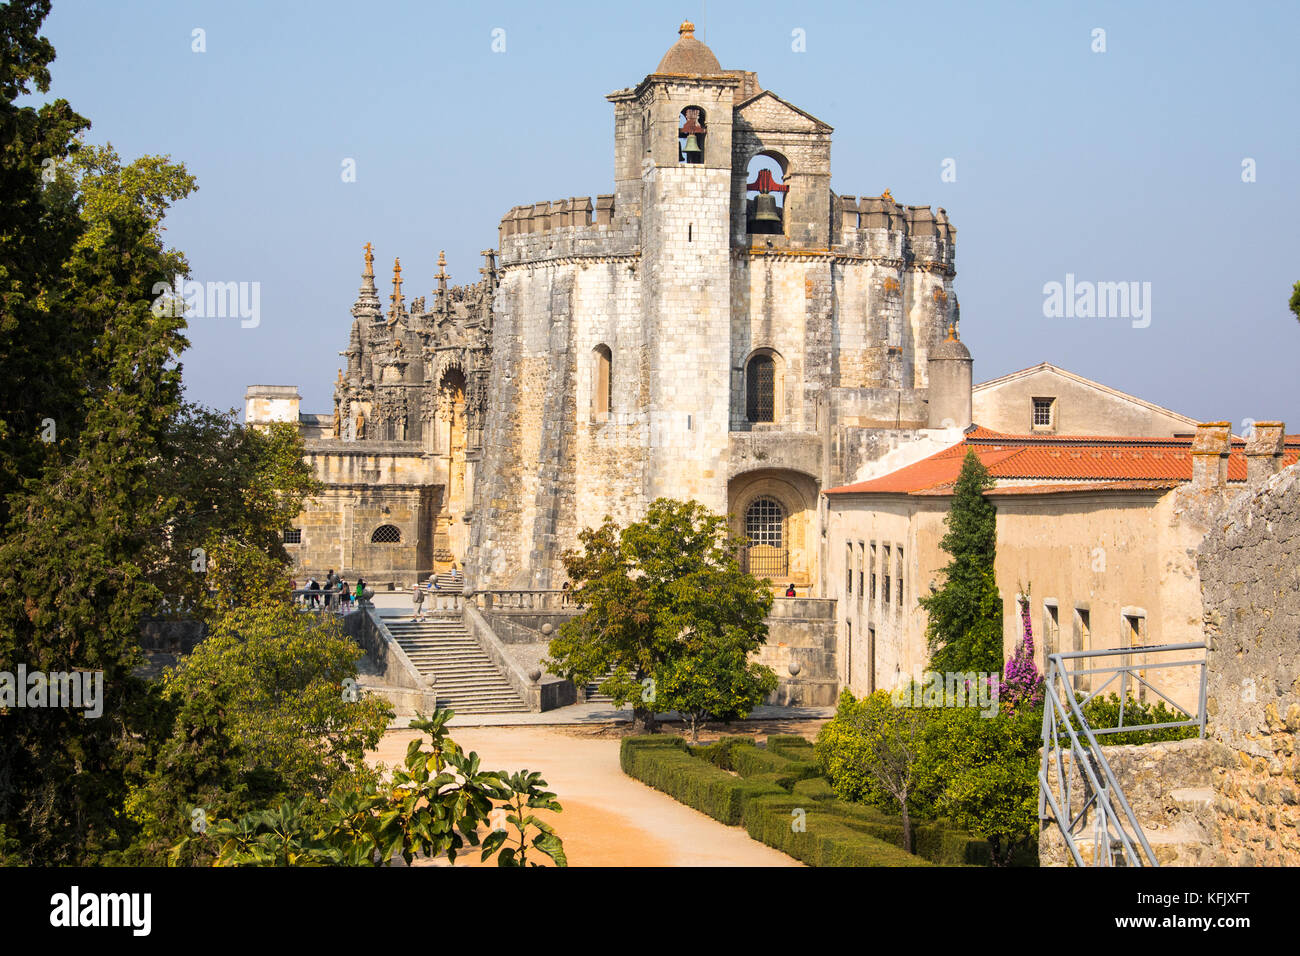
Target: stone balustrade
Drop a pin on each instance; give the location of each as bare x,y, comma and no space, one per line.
549,599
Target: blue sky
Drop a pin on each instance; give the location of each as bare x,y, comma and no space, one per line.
1117,166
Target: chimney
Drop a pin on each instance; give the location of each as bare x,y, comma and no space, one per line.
1264,452
1210,449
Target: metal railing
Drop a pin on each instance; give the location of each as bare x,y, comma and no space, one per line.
1116,833
763,561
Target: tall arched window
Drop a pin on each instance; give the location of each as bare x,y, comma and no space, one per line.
760,389
766,553
602,360
386,534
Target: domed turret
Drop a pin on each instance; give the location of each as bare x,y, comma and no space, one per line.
949,369
689,56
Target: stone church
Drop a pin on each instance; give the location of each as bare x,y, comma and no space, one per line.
722,326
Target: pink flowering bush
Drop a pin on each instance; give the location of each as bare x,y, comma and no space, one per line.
1022,684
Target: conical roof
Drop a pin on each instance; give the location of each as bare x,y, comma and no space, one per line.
688,55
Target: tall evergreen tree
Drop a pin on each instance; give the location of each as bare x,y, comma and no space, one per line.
965,615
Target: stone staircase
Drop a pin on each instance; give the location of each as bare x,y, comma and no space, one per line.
594,696
450,582
464,677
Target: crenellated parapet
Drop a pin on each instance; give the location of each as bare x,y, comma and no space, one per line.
877,226
563,228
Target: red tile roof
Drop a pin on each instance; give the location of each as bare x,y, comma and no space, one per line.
1067,462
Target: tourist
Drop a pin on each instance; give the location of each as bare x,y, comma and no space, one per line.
361,587
789,592
417,598
343,595
313,600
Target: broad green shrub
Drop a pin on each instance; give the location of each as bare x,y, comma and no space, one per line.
1104,712
981,772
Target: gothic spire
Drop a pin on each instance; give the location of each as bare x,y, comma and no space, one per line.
367,303
398,306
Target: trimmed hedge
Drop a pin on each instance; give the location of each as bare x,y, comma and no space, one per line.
718,753
771,786
692,781
752,761
814,788
791,747
758,802
824,839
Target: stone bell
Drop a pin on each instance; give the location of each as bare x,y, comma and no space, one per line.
692,149
765,209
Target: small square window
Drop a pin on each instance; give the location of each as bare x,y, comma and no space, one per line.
1044,412
293,536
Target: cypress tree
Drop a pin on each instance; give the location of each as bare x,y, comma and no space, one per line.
964,631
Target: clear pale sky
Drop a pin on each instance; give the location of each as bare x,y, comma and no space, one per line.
1117,166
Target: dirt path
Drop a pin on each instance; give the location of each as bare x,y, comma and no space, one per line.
609,819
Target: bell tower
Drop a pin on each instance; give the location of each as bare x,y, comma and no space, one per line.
685,177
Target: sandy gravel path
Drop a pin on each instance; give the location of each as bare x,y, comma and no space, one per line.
609,819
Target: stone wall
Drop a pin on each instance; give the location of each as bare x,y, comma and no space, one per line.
1250,583
1168,785
802,631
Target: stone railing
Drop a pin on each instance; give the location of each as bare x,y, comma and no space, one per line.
551,599
442,602
403,684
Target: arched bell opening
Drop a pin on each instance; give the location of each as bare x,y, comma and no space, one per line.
691,133
765,192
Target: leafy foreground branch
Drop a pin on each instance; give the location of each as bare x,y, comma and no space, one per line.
434,805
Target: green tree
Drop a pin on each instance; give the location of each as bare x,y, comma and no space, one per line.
964,629
983,772
433,805
1295,301
871,752
658,593
714,680
198,774
289,707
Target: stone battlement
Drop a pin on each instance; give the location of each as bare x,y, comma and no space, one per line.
575,227
577,211
876,225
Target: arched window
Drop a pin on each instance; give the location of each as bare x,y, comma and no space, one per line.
386,534
601,363
760,389
766,553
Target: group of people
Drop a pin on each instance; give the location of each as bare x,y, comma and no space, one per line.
334,593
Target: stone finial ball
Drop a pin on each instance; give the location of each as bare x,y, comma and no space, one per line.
535,675
794,668
548,628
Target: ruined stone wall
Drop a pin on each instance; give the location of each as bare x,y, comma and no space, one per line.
1250,583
